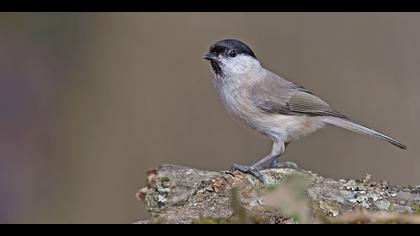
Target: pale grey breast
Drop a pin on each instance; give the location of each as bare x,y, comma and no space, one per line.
236,97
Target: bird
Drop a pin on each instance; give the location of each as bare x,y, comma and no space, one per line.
277,108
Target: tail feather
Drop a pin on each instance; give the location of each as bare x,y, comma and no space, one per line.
350,125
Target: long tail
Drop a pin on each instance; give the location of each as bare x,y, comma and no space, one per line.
350,125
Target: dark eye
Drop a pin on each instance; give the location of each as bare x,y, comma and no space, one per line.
232,53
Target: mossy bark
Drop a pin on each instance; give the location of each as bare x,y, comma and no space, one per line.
177,194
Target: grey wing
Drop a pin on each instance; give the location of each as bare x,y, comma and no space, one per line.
306,103
273,94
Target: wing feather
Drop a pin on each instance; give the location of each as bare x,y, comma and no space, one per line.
274,94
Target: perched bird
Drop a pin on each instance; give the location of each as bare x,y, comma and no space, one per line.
280,109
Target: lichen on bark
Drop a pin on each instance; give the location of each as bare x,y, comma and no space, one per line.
177,194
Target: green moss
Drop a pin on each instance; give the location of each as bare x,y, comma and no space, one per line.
210,220
391,207
271,187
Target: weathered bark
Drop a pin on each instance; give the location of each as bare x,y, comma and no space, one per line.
176,194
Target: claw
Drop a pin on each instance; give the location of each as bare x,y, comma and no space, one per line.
274,164
250,170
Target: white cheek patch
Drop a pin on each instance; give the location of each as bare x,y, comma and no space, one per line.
238,65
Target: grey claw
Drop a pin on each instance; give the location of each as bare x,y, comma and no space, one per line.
249,170
227,172
235,167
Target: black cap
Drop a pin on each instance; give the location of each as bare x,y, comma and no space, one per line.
231,46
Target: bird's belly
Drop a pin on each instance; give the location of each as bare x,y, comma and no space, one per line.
288,128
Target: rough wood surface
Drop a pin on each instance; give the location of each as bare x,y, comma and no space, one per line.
177,194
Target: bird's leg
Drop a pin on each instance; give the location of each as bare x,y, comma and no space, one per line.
274,161
277,149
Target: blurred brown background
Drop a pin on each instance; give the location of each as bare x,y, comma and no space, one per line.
90,101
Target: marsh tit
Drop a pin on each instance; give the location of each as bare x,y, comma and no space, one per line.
279,109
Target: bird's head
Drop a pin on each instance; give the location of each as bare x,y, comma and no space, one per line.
230,57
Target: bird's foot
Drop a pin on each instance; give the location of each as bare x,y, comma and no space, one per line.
252,170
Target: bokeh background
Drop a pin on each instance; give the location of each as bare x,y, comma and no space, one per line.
90,101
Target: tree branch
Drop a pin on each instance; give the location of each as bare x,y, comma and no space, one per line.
176,194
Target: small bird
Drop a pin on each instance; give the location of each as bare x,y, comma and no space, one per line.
277,108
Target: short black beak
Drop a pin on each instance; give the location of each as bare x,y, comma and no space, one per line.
210,57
